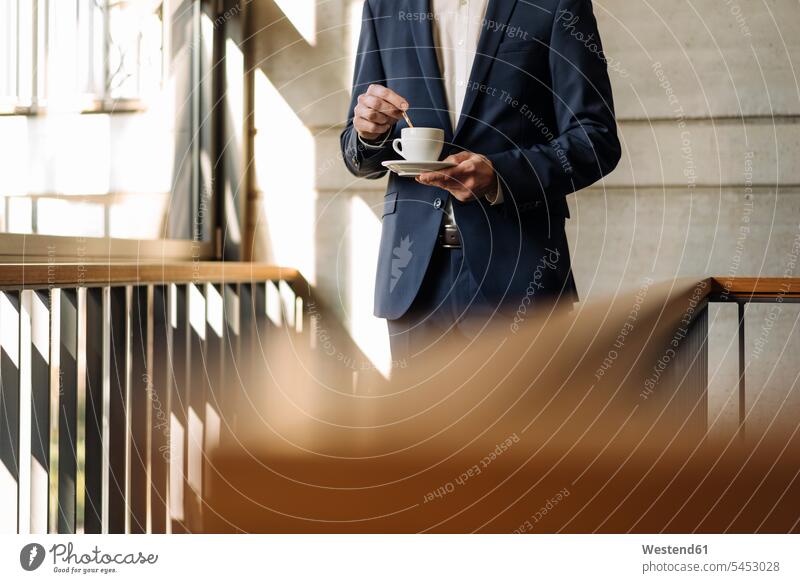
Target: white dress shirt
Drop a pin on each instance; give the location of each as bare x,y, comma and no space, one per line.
457,29
457,26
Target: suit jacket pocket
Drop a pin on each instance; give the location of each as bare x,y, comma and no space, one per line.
389,204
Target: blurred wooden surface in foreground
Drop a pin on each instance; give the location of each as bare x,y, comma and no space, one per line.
566,424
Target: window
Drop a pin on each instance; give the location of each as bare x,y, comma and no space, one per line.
16,52
81,53
100,119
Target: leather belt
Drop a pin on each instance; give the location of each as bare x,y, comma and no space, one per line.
449,237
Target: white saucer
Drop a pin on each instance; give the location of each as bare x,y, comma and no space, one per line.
406,168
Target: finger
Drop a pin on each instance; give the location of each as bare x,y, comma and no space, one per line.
432,179
456,174
388,95
380,105
458,158
440,180
368,114
428,176
465,170
467,167
366,126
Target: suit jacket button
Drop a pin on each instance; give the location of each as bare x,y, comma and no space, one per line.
437,204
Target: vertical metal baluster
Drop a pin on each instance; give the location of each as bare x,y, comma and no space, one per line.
40,411
54,404
160,413
9,412
95,342
215,339
276,337
277,342
300,321
139,407
269,317
274,324
288,304
249,349
263,354
80,442
230,363
68,411
742,372
179,366
25,412
287,341
273,301
117,409
196,400
701,370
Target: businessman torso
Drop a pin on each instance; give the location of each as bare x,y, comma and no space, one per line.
537,104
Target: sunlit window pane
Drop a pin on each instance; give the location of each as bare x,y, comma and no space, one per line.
69,218
8,49
135,43
99,126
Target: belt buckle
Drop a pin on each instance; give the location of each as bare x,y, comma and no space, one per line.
450,237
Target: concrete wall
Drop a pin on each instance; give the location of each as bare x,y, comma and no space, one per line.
708,103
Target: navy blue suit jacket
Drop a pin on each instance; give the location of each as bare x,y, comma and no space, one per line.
538,105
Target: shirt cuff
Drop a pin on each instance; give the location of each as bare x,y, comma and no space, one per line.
374,145
496,197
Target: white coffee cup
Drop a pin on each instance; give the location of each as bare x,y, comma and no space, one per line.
420,144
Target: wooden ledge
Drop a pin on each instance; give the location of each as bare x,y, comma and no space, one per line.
43,275
754,288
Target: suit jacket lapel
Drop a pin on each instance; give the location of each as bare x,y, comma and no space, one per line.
497,14
422,30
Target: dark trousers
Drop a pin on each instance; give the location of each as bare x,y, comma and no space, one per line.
449,310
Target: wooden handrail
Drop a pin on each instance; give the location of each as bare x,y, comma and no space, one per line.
753,288
94,274
36,275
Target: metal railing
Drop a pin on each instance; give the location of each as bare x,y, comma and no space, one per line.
116,380
684,388
744,291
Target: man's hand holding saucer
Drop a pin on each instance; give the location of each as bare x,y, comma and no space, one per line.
473,177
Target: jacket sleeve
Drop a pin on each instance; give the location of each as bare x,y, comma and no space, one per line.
585,147
361,160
